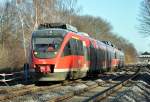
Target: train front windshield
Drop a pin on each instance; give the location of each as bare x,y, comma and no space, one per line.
46,47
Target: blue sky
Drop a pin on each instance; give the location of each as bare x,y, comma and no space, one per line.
122,15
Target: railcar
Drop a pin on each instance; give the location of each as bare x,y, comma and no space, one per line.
60,52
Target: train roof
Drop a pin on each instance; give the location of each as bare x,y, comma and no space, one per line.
50,32
61,29
48,28
58,25
83,33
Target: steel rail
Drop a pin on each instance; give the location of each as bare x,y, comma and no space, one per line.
104,94
24,91
12,93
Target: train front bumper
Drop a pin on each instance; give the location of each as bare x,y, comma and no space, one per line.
56,76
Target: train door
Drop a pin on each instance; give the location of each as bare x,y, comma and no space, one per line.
77,58
105,58
108,58
80,58
92,58
74,69
84,65
101,59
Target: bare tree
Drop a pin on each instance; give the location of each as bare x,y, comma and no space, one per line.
145,18
19,18
102,30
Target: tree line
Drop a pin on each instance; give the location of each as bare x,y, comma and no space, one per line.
19,18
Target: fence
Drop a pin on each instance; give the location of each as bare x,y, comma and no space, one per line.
15,76
10,77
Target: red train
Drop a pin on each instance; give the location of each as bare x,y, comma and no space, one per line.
60,52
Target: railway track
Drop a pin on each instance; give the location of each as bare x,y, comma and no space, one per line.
78,91
8,94
101,92
12,93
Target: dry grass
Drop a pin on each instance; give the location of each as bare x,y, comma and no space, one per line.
11,59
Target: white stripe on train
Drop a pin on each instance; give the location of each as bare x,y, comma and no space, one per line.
72,69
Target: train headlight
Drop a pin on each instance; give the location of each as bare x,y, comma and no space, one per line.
35,53
55,53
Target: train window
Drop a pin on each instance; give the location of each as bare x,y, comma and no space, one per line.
85,51
115,55
70,48
92,56
88,53
42,43
74,47
112,54
73,44
67,49
79,47
46,47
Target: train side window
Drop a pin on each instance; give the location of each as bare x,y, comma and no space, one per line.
115,54
85,53
80,47
73,46
88,53
67,49
112,54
